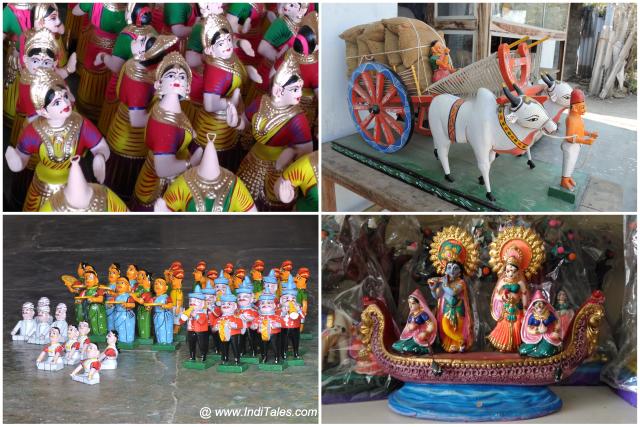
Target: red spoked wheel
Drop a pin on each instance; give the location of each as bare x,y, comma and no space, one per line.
380,107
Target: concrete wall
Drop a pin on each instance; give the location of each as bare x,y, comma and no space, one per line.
335,121
573,41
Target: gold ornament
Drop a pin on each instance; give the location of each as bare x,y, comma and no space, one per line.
40,11
162,44
173,59
212,25
43,80
311,21
520,246
287,69
454,244
41,39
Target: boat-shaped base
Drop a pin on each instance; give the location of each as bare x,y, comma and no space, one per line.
473,402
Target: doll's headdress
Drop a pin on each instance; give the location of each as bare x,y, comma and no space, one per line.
43,81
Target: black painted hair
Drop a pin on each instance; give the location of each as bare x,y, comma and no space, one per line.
49,11
51,93
38,51
117,266
134,266
310,36
55,327
217,35
292,80
154,60
145,19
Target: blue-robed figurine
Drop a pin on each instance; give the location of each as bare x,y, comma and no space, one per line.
124,316
162,314
114,274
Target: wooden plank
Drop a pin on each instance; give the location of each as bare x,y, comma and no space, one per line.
379,188
483,39
456,24
526,30
328,193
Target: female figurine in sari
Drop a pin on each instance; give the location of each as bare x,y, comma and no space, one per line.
207,188
281,131
168,134
95,296
515,256
541,333
453,251
107,20
162,313
564,311
125,318
16,19
420,331
126,136
56,135
113,276
224,76
138,17
142,295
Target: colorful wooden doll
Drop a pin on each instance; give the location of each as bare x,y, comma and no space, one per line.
26,327
453,252
224,75
45,302
107,21
282,31
268,325
132,275
564,311
138,18
301,284
270,284
238,279
168,134
229,327
285,273
281,131
61,321
246,20
248,313
16,19
125,317
576,136
292,319
199,277
516,254
541,333
256,275
90,367
162,313
206,188
80,196
177,275
135,89
197,321
72,351
439,61
114,275
41,334
96,312
227,272
300,175
50,359
83,338
143,295
56,136
179,19
109,357
421,329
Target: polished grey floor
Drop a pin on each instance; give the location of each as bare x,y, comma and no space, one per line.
149,387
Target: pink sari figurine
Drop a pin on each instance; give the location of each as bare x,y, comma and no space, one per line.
541,329
420,331
564,311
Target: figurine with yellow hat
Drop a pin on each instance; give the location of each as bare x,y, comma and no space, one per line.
281,131
168,134
134,92
55,136
453,254
516,255
576,136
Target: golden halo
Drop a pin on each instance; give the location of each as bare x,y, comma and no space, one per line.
527,242
454,235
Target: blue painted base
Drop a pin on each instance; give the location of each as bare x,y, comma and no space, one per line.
473,403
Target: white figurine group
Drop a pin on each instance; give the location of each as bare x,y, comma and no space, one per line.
64,344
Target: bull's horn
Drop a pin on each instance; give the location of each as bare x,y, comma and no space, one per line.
546,80
518,90
515,101
551,78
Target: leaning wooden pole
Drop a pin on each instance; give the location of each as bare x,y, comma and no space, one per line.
617,66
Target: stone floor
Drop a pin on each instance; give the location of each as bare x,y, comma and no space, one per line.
149,387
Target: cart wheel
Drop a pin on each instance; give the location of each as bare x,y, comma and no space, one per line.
514,69
380,107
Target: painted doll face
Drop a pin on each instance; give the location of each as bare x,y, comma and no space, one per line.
228,268
143,279
173,81
452,270
60,106
562,297
196,303
90,279
210,300
300,281
413,305
510,271
139,45
220,288
197,275
73,333
244,299
132,272
111,338
222,48
92,351
208,9
258,267
80,270
160,287
271,288
51,22
228,308
43,315
122,286
579,108
113,275
240,274
295,11
28,313
285,299
83,328
54,334
61,313
290,94
267,306
37,61
539,307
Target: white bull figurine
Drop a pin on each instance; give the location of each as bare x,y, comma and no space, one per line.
489,128
559,95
